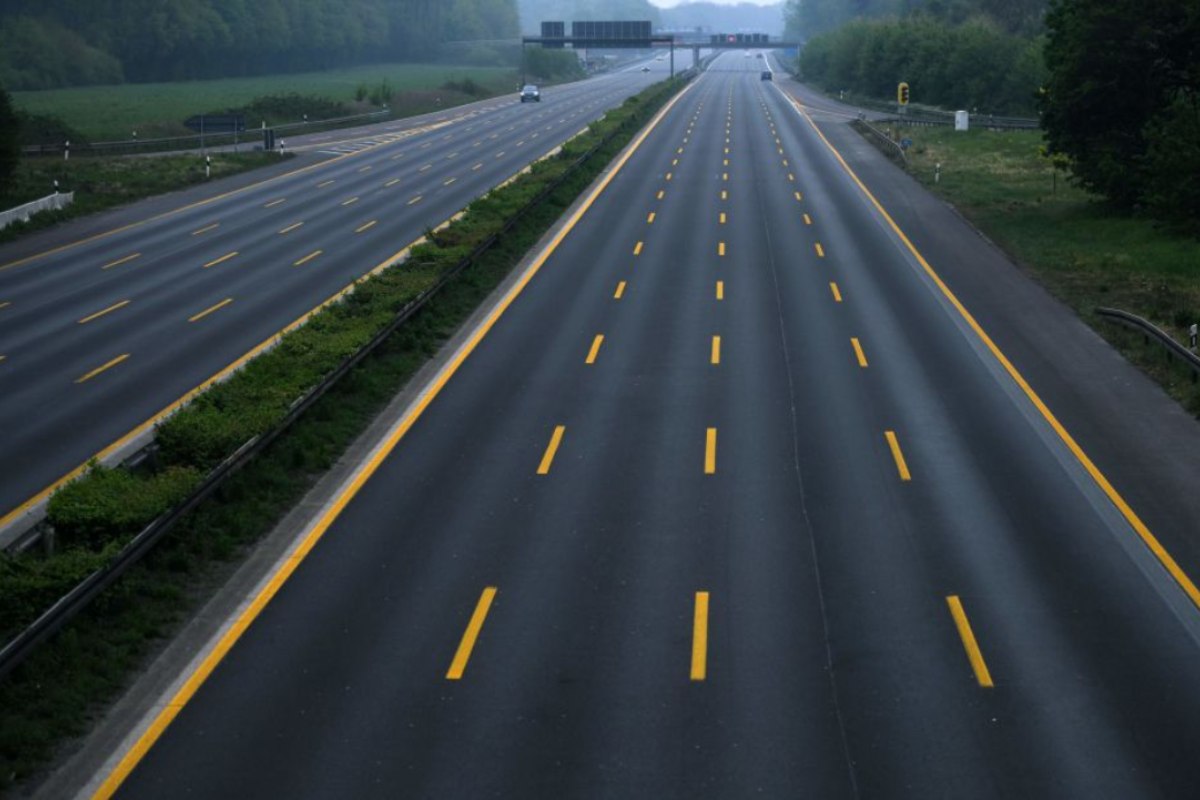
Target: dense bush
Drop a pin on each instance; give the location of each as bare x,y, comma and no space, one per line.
112,504
973,66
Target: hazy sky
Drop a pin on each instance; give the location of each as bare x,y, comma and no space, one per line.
669,3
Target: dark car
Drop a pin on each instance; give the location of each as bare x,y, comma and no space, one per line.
766,75
530,94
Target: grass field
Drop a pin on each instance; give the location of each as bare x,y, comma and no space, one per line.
107,113
1086,253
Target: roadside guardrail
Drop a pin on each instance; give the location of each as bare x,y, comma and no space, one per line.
1151,331
22,213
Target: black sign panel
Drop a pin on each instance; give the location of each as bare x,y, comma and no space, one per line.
612,33
216,123
553,30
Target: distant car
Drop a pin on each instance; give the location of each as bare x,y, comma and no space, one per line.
530,94
758,55
766,75
658,58
645,69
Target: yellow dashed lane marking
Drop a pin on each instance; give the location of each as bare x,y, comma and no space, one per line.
121,261
461,656
102,368
210,309
552,448
595,349
898,455
982,675
103,311
700,637
308,258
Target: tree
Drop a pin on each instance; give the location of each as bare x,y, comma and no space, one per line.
1124,74
10,144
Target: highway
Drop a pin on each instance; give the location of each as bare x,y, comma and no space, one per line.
101,336
729,496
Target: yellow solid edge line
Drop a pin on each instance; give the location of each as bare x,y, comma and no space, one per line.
720,290
858,351
470,635
710,452
135,754
715,356
1139,527
116,263
210,309
551,449
898,455
595,349
837,293
700,638
102,368
620,292
104,311
982,675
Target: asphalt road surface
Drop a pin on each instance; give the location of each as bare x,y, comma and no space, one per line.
732,500
100,336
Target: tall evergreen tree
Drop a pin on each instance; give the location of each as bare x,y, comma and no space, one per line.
1123,74
10,147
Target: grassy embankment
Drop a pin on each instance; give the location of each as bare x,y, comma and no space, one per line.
102,113
103,183
108,113
1083,251
52,696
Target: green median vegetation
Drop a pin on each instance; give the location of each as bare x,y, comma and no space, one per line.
1084,250
53,694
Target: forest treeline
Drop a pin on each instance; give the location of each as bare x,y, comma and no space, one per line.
980,55
808,18
51,43
973,66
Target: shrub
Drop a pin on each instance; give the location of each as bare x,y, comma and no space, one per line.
107,505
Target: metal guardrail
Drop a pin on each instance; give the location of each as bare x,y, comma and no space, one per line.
891,147
250,136
72,603
1150,330
55,202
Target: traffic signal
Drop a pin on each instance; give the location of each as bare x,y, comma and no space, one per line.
902,94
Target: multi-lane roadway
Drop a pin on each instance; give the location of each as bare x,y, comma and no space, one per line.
730,495
100,336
